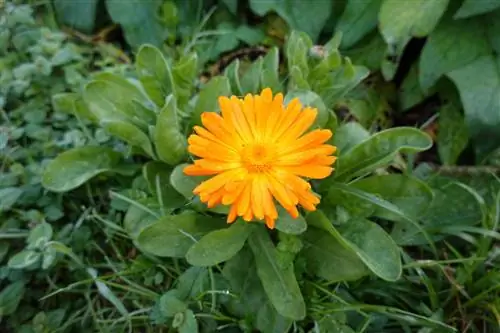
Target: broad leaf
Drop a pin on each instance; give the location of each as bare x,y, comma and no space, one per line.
349,135
139,21
207,99
9,197
358,19
379,150
157,175
452,136
76,166
279,282
219,245
184,184
310,99
329,259
287,224
184,73
130,134
270,71
476,7
309,17
171,144
10,297
154,73
172,236
24,259
79,15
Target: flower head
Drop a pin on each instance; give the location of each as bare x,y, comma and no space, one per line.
256,151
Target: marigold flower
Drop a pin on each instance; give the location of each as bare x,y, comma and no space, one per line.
256,151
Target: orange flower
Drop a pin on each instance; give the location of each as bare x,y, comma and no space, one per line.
257,151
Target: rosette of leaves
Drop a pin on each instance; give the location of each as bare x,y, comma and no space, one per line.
154,112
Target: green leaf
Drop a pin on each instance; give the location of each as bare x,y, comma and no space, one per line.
79,15
310,99
9,197
111,97
348,135
184,75
144,213
232,72
24,259
250,81
401,20
170,304
74,167
139,20
442,54
279,282
207,99
39,235
10,297
154,73
410,195
480,95
172,236
452,136
379,150
130,134
369,241
158,175
269,77
64,102
475,7
49,255
369,52
296,50
410,93
309,17
184,184
189,324
170,143
193,282
219,245
287,224
357,20
452,206
329,259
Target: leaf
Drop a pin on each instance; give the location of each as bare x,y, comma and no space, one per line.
184,184
374,247
130,134
232,72
270,71
154,73
480,95
170,304
279,282
172,236
410,93
357,20
193,282
287,224
79,15
296,50
158,175
250,81
442,54
189,324
475,7
9,197
24,259
348,135
310,99
401,20
64,102
309,17
184,75
452,206
170,143
207,99
219,245
139,21
369,52
10,297
410,195
113,98
329,259
144,213
452,136
74,167
107,293
39,235
379,150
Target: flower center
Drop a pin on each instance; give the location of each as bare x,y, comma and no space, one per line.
258,157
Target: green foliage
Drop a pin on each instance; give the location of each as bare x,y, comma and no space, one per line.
101,229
